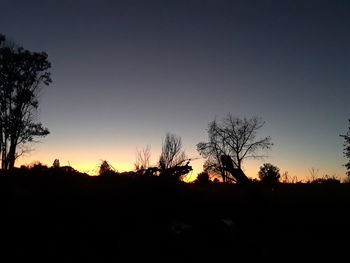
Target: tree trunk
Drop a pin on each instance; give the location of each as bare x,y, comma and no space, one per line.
1,141
4,155
12,155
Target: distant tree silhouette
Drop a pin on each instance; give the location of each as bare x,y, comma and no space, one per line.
233,137
269,174
22,73
172,154
56,163
106,169
173,161
325,179
143,158
313,174
38,166
346,149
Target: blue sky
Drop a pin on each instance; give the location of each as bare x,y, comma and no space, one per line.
126,72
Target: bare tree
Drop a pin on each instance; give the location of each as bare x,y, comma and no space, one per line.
313,174
213,150
21,75
173,160
172,154
143,158
233,137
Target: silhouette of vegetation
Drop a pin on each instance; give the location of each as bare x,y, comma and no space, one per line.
313,174
106,169
287,179
203,178
22,73
141,218
173,162
346,149
142,163
233,137
67,210
56,164
172,154
237,174
269,174
326,179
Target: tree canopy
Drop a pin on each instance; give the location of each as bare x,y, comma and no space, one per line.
269,174
234,137
22,73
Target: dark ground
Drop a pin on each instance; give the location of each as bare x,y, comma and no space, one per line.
65,218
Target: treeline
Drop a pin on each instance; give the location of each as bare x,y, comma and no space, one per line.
268,174
231,140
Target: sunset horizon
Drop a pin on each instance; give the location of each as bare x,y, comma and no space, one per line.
123,78
174,130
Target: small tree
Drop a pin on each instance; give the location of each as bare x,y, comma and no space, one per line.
56,164
143,158
106,169
346,150
269,174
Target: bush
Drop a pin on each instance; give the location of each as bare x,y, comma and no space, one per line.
202,178
106,169
269,174
326,179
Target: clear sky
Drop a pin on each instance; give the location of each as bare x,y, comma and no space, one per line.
126,72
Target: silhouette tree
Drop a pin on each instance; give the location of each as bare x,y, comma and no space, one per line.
106,169
203,178
173,161
269,174
56,164
172,154
143,158
233,137
346,149
22,73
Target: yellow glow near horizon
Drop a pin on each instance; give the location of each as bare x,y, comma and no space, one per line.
88,161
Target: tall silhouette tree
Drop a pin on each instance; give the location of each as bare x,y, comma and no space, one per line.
22,74
346,149
234,137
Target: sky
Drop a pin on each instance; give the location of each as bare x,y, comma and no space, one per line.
126,72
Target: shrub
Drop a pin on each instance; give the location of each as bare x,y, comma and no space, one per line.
202,178
269,174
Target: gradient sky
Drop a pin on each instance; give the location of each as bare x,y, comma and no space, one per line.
126,72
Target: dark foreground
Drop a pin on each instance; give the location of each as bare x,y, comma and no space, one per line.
55,218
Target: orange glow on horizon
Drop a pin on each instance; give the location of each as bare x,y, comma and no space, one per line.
88,161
